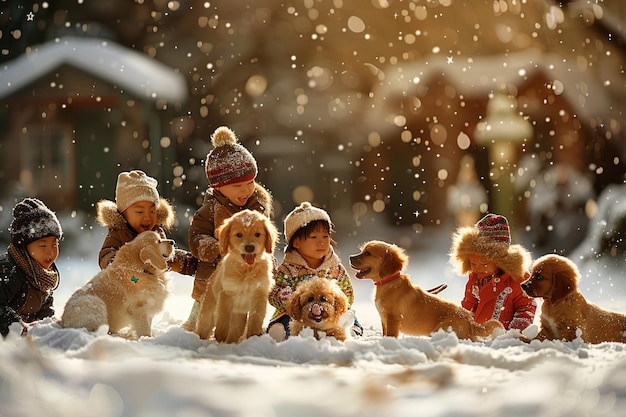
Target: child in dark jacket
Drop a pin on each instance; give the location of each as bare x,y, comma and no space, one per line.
231,171
138,208
28,274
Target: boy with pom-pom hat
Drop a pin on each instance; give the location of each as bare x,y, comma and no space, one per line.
231,171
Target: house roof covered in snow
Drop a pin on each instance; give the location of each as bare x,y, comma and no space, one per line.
128,69
485,74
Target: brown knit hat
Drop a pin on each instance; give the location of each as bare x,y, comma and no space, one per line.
135,186
229,162
489,237
32,220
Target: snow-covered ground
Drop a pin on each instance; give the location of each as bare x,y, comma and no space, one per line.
68,372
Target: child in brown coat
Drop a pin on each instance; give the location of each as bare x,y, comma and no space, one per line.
231,171
138,208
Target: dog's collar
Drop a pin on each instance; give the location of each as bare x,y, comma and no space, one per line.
386,280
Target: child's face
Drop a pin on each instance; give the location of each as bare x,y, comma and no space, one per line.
239,192
482,266
141,216
44,251
314,248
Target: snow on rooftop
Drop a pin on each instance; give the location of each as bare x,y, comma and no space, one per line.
130,70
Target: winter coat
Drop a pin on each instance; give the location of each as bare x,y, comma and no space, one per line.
203,243
294,270
20,297
120,232
502,298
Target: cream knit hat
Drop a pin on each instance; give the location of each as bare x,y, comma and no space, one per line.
135,186
302,215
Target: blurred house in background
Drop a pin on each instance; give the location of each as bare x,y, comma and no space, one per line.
365,108
76,112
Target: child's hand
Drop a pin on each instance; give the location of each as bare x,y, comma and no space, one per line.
175,266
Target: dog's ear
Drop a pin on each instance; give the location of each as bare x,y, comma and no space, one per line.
563,285
223,234
271,235
150,256
391,264
293,307
341,302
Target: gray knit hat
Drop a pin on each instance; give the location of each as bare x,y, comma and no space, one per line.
302,215
32,220
135,186
229,162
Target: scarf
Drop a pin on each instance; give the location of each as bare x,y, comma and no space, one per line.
44,279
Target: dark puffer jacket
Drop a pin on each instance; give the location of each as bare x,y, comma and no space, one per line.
20,299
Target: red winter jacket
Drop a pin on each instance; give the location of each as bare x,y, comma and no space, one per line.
502,298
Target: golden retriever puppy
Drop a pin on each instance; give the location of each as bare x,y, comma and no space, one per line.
565,310
235,301
317,303
406,308
127,293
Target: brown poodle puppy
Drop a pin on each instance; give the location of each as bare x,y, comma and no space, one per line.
317,303
564,311
127,293
406,308
235,301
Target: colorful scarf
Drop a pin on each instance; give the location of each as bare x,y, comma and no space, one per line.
44,279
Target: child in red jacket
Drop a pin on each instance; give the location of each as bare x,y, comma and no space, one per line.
496,269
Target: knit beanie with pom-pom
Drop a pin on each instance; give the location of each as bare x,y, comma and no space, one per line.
229,162
135,186
302,215
32,220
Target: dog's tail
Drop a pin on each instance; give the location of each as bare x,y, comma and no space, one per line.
487,329
84,310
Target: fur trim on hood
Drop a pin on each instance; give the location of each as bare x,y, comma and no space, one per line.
514,260
107,215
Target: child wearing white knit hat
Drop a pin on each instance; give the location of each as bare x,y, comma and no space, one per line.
138,208
309,253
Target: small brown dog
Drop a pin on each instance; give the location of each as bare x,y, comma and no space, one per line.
317,303
565,310
406,308
127,293
235,301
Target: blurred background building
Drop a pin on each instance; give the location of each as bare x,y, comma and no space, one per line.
368,108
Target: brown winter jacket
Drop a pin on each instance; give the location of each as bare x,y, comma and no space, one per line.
203,244
120,233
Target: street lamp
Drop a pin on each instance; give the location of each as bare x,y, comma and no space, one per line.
502,131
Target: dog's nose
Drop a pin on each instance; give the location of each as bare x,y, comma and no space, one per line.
249,248
524,285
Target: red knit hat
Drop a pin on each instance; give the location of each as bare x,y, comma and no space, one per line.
494,227
229,162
